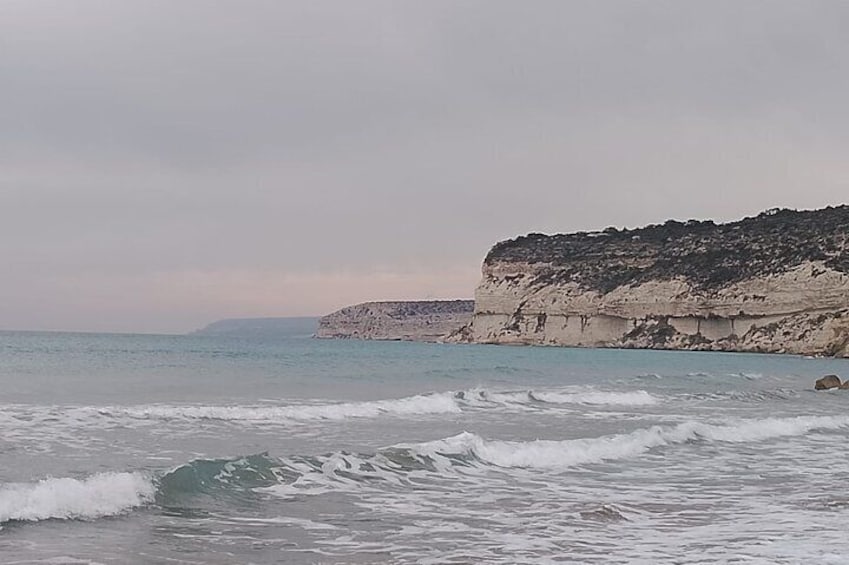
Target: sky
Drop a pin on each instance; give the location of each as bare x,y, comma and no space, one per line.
165,164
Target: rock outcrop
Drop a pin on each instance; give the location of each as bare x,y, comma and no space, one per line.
426,320
830,381
778,282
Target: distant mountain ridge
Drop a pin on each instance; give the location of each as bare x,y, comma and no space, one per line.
261,327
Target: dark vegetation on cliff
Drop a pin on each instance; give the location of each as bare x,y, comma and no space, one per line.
708,255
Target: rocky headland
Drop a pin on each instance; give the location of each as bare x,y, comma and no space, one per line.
777,282
424,320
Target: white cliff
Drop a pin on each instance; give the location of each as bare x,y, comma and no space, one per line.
775,283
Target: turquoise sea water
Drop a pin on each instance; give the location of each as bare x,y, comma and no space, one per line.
286,449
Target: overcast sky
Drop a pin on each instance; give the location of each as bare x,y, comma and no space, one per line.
164,164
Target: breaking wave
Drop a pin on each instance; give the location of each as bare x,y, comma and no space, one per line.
410,406
400,466
628,398
422,404
574,452
103,494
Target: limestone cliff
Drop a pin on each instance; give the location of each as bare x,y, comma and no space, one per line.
426,320
778,282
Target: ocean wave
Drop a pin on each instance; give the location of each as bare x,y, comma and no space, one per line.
568,395
598,398
213,476
779,394
575,452
748,376
648,376
411,406
461,454
701,376
24,423
451,402
103,494
402,466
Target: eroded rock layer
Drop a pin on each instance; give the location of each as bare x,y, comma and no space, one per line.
425,320
778,282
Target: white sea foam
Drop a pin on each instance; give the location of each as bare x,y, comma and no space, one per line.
625,398
485,398
480,397
413,405
103,494
25,422
570,453
422,404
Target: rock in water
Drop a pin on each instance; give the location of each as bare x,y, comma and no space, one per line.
827,382
774,283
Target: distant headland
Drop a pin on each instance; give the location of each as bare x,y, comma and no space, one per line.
252,328
420,320
775,283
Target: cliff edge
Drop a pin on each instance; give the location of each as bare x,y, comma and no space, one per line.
424,320
777,282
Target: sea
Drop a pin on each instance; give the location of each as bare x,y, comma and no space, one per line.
221,449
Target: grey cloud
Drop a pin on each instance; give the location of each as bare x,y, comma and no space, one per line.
194,83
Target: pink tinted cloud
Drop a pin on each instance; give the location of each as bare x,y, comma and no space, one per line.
180,301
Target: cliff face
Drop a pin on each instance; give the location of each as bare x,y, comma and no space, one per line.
778,282
427,320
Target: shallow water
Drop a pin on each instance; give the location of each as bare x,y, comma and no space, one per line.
194,449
